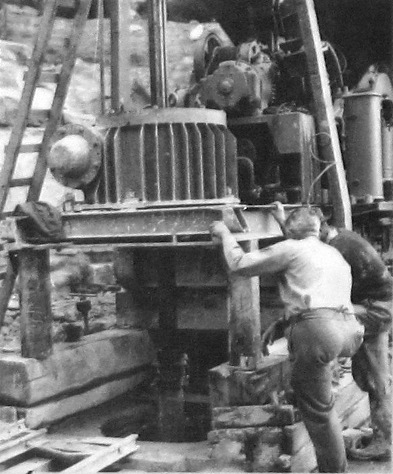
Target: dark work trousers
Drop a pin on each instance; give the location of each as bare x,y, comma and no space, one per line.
315,339
370,365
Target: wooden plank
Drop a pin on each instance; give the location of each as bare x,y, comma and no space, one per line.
17,445
6,289
323,110
30,466
12,150
35,303
244,318
105,457
59,99
9,430
269,434
229,386
46,413
254,415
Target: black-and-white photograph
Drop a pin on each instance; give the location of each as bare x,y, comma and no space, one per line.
196,236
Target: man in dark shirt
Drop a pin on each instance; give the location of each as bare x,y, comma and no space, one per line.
371,295
372,287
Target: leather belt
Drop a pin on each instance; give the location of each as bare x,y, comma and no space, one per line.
322,313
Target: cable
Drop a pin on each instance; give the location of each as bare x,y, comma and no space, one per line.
316,180
313,155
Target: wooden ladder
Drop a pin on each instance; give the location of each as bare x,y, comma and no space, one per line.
16,146
23,451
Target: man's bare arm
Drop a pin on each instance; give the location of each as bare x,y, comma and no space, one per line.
279,215
261,262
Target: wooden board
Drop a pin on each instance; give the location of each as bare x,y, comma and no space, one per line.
33,451
46,413
17,444
229,386
106,456
323,109
254,415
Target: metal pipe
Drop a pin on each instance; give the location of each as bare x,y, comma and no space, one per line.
157,53
100,47
115,56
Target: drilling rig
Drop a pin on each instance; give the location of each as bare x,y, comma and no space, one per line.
266,118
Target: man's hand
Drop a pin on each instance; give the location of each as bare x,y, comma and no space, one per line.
273,332
278,212
218,229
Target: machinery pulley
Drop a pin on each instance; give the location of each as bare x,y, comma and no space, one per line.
205,50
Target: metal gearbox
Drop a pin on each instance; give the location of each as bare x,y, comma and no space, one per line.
163,157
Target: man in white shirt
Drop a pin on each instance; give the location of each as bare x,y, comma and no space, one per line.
371,296
315,286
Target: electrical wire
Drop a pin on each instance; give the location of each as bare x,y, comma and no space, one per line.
316,180
313,155
329,164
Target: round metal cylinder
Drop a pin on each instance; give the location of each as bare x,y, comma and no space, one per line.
75,155
69,156
363,155
163,157
387,152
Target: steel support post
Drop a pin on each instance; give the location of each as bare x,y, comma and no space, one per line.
171,361
120,55
157,52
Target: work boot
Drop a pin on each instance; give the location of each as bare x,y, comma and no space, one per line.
362,449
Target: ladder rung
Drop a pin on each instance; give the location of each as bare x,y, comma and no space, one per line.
18,182
39,114
49,77
30,148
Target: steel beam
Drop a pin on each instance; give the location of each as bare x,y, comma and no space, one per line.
188,224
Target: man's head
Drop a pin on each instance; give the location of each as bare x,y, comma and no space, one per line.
325,229
303,222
